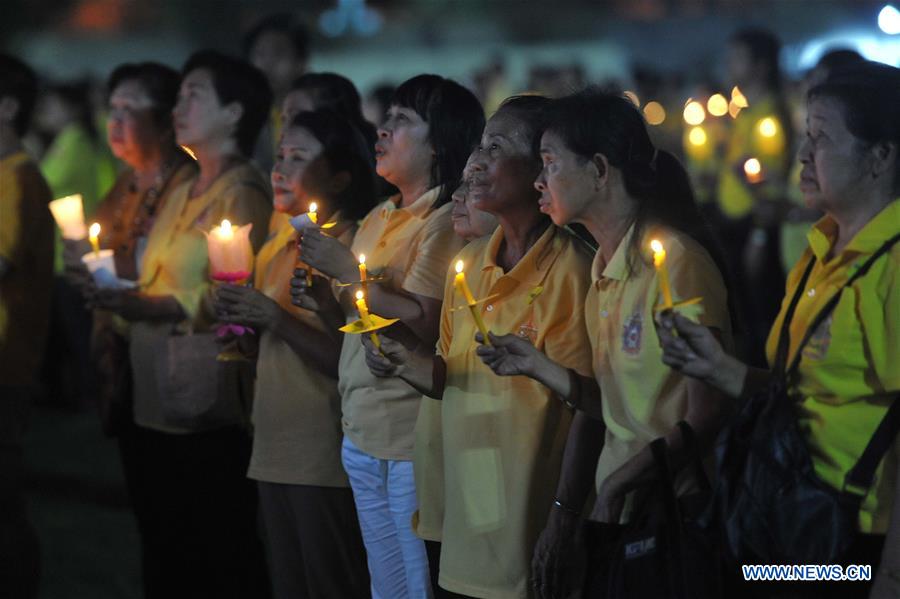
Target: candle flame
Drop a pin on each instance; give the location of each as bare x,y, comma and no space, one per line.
94,231
717,105
459,266
225,231
768,127
362,258
752,167
312,207
656,246
190,153
359,295
697,136
694,114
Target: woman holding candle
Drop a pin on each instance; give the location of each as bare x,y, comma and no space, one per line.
503,438
847,376
602,171
408,240
206,545
312,532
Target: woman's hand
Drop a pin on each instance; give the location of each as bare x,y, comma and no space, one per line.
316,297
387,361
236,304
508,355
694,351
328,255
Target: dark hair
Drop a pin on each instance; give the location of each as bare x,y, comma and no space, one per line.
238,81
869,96
284,24
18,81
455,121
336,92
158,81
77,95
839,58
593,122
345,149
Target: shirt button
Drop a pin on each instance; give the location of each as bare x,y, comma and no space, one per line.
811,292
490,307
382,244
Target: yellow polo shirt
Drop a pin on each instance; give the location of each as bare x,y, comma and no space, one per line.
751,138
851,366
428,470
643,399
504,436
296,409
176,264
412,247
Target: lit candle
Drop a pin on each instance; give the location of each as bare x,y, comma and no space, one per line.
362,273
312,212
753,170
659,261
364,317
94,236
463,288
230,251
68,212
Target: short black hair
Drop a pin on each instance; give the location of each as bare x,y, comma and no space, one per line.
158,81
455,121
529,109
236,80
336,92
868,94
345,149
764,47
285,24
17,80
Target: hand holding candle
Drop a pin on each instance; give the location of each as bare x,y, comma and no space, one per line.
659,261
463,287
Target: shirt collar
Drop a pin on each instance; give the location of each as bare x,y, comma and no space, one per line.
617,267
421,208
882,226
534,265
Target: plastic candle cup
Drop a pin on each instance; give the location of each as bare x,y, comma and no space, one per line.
68,212
230,252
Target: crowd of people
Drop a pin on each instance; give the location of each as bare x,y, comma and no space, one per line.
509,448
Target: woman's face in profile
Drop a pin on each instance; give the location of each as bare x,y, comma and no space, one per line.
835,162
298,173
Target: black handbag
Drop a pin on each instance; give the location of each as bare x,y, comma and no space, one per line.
771,506
663,552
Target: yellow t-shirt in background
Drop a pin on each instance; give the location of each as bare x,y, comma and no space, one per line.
849,372
503,437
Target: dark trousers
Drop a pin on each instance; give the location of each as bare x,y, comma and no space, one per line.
314,544
67,373
20,557
196,513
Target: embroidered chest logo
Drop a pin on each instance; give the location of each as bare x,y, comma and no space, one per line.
819,341
631,334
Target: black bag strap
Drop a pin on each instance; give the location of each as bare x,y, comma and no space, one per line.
784,336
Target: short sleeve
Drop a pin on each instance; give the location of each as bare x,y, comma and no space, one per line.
567,342
438,243
694,274
250,202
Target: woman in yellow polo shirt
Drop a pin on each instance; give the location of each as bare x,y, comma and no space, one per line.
601,170
849,372
199,524
312,534
408,240
503,438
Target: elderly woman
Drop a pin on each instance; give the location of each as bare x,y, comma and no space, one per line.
503,438
199,509
141,134
848,376
312,533
409,240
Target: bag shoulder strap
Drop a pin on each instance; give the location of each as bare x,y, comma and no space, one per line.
860,478
784,335
827,309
